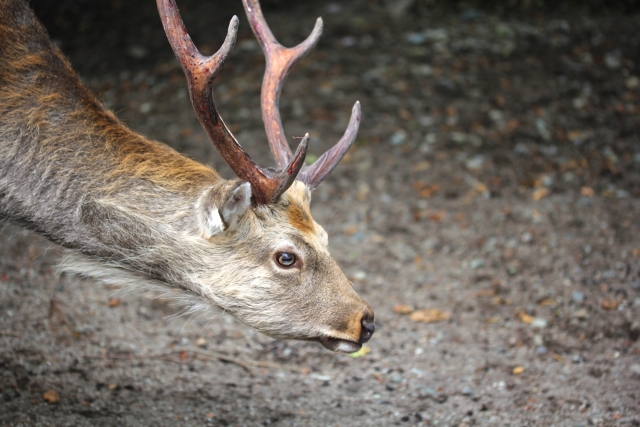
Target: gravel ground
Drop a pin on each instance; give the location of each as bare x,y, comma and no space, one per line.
488,213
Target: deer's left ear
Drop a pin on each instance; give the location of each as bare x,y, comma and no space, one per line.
235,202
235,205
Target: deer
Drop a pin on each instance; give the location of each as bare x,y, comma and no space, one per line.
134,212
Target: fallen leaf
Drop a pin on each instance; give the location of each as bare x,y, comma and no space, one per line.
484,293
539,193
113,302
51,397
430,315
402,309
364,350
525,318
547,302
610,304
350,230
587,192
518,370
421,166
437,216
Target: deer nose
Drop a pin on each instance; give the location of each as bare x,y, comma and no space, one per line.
368,327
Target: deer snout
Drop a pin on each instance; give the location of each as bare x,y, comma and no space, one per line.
368,327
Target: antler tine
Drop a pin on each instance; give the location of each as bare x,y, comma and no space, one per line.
267,185
314,174
279,61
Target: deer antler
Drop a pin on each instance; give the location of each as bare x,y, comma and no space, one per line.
279,61
267,184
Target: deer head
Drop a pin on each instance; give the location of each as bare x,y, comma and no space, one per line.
279,277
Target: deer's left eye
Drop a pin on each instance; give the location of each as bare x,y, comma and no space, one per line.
286,259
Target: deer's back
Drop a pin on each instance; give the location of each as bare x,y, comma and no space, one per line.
61,150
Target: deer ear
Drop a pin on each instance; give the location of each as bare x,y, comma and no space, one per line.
235,205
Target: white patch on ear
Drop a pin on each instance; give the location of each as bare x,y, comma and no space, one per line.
212,222
236,205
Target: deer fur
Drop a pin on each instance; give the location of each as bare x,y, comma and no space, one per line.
135,211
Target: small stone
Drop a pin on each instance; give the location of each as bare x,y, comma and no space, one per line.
477,263
416,38
581,314
359,275
475,163
538,340
635,368
541,350
396,378
137,52
398,137
428,391
146,107
613,59
539,323
632,82
466,391
577,296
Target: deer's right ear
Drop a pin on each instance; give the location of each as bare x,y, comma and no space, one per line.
221,216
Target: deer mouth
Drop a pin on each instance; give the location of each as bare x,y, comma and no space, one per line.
340,345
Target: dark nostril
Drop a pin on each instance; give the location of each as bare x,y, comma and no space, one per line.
368,328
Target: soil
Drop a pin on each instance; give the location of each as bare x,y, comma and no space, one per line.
495,181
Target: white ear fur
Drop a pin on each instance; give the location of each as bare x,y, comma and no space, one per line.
236,205
212,222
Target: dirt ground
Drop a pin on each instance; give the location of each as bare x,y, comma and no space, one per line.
495,181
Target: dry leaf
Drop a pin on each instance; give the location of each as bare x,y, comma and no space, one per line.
484,293
350,230
547,302
587,192
51,397
421,166
113,302
539,193
610,304
402,309
430,315
518,370
437,216
525,318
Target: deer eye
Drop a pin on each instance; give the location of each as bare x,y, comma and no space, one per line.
286,259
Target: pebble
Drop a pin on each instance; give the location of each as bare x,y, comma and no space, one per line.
581,314
541,350
477,263
613,59
577,296
427,390
466,391
396,378
475,163
635,368
521,149
398,137
539,323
